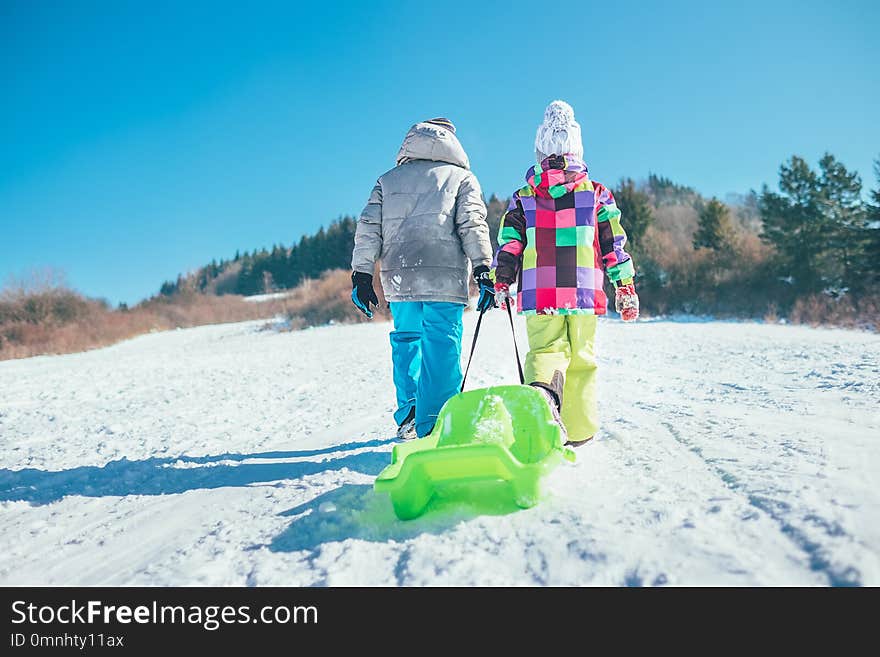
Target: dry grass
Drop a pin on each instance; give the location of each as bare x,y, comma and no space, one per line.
49,318
62,321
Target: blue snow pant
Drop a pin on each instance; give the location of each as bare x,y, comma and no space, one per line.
426,355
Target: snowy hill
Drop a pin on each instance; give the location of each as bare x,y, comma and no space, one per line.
731,453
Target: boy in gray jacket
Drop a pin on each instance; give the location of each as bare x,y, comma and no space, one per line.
426,222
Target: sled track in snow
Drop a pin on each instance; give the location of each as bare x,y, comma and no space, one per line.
818,558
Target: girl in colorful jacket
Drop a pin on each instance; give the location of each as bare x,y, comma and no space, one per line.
561,233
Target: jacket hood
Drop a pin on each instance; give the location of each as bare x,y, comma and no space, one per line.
426,141
557,175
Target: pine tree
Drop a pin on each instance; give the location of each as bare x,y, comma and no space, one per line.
794,224
635,212
841,202
715,230
495,209
816,223
662,191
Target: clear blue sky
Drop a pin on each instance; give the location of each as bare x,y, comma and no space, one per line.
139,140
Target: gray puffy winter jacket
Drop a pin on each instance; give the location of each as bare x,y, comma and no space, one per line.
425,220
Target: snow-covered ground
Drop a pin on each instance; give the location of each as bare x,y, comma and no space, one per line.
731,453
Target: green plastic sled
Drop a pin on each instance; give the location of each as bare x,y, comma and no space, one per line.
504,434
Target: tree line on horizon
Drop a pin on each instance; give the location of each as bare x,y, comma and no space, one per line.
811,247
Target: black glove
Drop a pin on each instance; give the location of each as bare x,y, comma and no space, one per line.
487,289
362,294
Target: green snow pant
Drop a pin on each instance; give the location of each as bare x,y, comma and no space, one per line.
566,344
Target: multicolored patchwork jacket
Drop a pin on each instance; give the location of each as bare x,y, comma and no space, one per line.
560,232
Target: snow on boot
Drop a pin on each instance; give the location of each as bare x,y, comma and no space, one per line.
407,428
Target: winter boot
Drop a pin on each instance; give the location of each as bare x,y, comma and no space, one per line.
407,428
553,393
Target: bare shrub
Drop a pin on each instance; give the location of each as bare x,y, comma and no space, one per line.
751,249
328,299
678,221
225,283
844,311
43,317
33,282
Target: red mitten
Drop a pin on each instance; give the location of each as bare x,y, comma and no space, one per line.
502,292
626,302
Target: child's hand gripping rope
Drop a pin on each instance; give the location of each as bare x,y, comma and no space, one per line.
502,293
487,289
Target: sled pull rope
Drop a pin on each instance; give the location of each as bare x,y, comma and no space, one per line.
473,347
522,378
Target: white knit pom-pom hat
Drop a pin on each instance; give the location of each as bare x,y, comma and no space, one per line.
559,134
